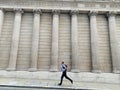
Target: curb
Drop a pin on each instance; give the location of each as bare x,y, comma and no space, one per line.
46,87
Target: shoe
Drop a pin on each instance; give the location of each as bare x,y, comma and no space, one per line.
59,84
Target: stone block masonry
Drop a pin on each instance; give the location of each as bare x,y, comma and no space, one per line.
38,35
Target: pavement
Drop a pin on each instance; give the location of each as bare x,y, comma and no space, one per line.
36,84
25,80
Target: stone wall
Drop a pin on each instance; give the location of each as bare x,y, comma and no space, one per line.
38,35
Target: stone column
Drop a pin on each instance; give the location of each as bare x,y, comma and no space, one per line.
55,28
114,42
35,40
1,20
15,40
74,41
94,42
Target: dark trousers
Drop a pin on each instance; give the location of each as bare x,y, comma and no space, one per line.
64,74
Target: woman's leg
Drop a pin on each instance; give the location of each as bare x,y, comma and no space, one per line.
68,78
62,76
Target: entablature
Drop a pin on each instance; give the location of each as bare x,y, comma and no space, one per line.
65,6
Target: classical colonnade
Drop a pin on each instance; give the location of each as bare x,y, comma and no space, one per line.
74,40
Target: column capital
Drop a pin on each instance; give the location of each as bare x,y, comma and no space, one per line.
93,13
37,11
18,10
111,13
72,12
55,11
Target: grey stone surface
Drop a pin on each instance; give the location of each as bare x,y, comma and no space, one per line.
15,40
74,41
19,55
114,43
78,77
94,41
35,42
33,84
55,33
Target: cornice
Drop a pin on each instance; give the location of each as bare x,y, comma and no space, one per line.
47,5
67,0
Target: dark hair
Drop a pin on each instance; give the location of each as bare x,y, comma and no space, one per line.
62,62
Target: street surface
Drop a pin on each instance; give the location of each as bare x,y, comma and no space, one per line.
27,88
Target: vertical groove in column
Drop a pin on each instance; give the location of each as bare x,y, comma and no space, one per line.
114,42
15,40
74,40
94,42
54,57
35,40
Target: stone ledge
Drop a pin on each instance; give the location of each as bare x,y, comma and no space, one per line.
83,5
77,77
47,87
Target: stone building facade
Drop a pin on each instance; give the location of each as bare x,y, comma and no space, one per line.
36,35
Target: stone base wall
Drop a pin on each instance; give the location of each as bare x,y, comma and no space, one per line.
55,76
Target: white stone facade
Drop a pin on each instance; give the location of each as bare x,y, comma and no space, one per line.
36,35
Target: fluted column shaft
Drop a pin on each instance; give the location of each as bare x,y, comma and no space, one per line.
35,40
15,40
114,43
74,40
94,42
54,57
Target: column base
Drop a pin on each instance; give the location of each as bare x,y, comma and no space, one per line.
11,69
116,71
75,70
32,69
53,69
96,71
